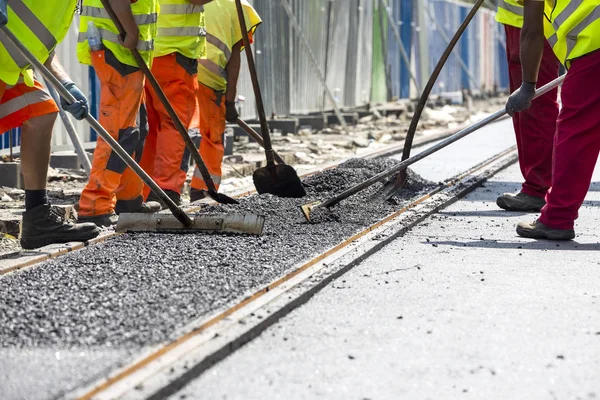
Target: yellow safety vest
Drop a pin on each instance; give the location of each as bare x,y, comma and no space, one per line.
576,25
181,29
145,13
510,12
39,28
222,33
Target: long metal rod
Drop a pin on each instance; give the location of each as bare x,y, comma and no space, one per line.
446,39
445,143
70,128
401,47
313,61
258,139
114,145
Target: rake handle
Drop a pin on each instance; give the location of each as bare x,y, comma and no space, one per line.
434,149
258,139
260,107
114,145
165,102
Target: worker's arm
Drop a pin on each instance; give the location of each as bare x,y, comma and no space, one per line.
80,107
122,9
233,72
3,13
199,2
532,48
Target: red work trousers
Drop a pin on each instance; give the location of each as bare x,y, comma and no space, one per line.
113,185
534,128
165,157
577,143
212,127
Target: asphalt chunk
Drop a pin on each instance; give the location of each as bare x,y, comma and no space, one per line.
138,289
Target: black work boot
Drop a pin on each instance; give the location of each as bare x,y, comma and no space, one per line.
103,221
173,195
537,230
136,206
46,224
197,194
520,202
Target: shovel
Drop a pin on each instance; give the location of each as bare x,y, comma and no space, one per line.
249,224
279,180
258,139
391,187
212,190
307,209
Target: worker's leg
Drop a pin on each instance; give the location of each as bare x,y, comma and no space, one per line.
577,143
177,76
212,127
122,88
149,153
33,109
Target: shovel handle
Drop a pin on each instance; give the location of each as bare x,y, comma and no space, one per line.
434,149
258,139
210,184
114,145
260,107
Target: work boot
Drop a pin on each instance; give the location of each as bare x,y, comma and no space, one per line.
520,202
197,194
149,207
46,224
537,230
102,221
173,195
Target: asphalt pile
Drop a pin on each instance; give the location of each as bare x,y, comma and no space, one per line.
137,289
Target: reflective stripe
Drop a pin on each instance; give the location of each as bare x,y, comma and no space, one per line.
13,52
219,45
510,7
212,67
190,31
216,179
566,13
574,33
553,40
95,12
18,103
180,9
34,24
143,45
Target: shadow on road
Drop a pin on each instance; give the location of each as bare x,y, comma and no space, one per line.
533,245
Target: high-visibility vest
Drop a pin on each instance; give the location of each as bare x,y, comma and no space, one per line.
145,13
576,25
39,28
222,33
181,29
510,12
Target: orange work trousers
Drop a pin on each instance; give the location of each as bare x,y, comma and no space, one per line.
212,127
165,157
20,103
113,186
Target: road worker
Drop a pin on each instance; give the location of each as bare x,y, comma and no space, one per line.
181,41
114,188
24,103
218,76
575,39
534,127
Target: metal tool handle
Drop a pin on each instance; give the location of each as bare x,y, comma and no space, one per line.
81,154
260,107
258,139
434,149
165,102
114,145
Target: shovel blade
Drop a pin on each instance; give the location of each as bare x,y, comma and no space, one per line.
391,187
278,180
222,198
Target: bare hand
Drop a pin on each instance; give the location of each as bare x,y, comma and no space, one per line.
131,40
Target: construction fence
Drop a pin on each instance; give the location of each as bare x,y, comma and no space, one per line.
349,47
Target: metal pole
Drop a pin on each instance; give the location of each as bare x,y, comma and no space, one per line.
384,51
423,39
403,51
10,145
288,9
446,39
81,154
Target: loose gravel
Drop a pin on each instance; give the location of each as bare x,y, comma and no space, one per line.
136,290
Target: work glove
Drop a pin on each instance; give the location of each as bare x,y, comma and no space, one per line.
231,114
3,13
521,99
79,109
